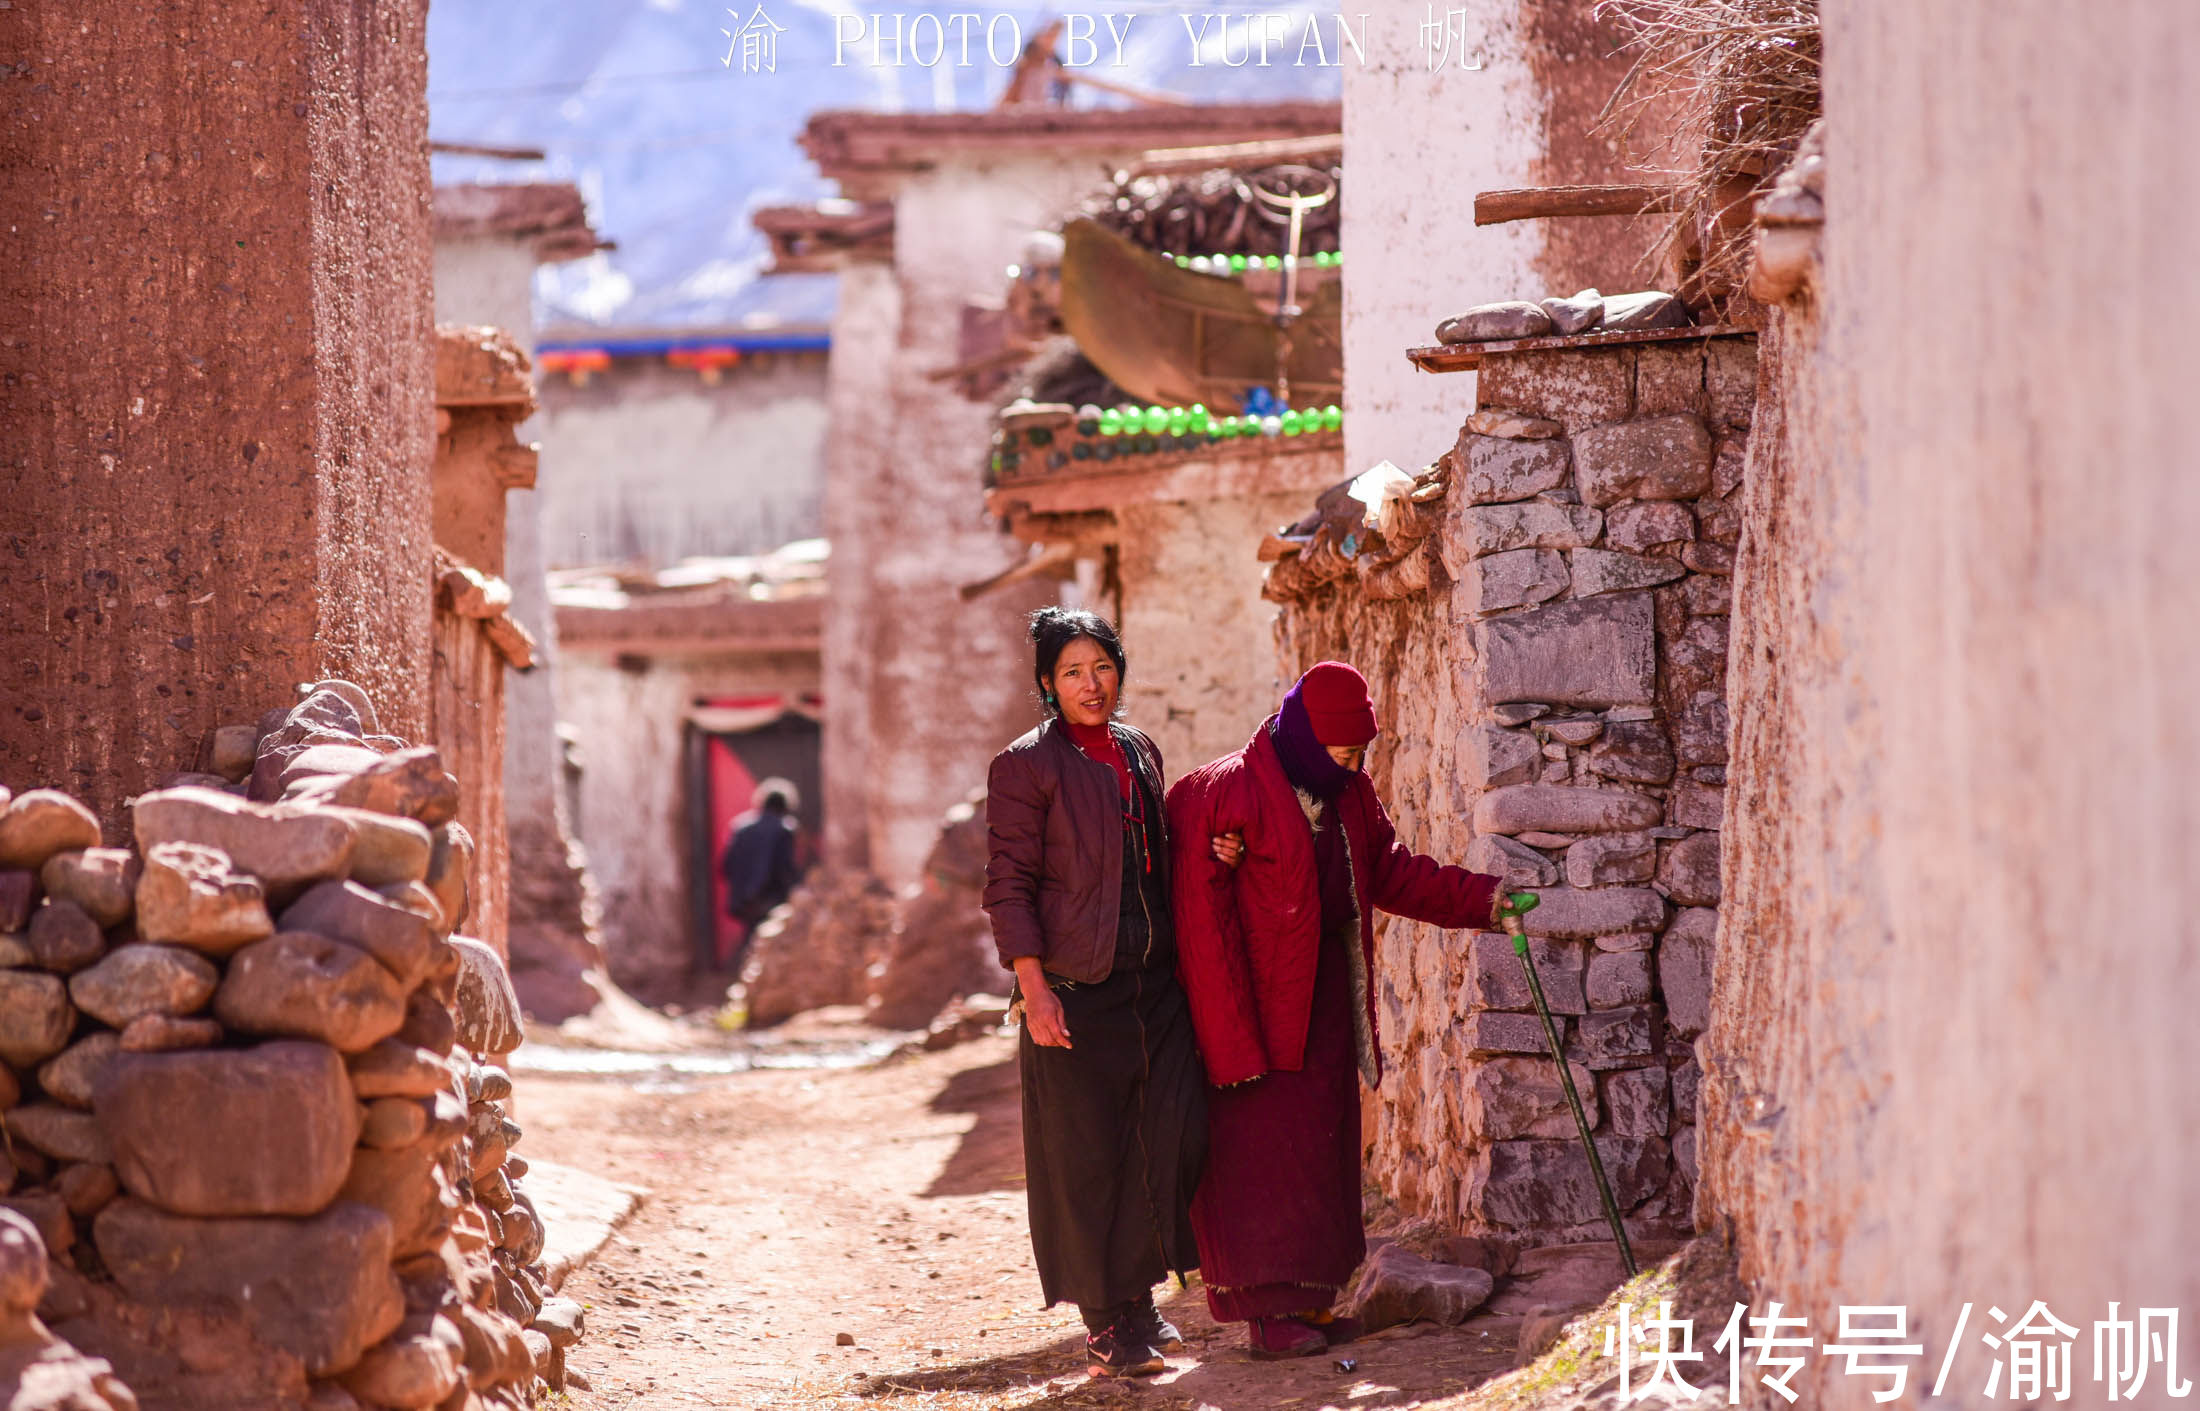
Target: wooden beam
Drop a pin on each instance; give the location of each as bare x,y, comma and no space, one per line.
483,149
1534,202
1239,154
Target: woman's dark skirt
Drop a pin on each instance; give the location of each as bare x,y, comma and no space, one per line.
1115,1134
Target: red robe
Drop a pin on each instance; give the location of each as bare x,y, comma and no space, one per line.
1279,988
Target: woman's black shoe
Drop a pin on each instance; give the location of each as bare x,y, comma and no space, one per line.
1144,1321
1119,1352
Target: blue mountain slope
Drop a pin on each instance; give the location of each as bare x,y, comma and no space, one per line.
673,148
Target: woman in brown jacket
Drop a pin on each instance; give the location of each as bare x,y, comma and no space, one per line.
1077,886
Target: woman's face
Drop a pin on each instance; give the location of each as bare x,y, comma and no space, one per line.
1086,682
1347,756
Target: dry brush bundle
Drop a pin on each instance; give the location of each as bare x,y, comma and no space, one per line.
1204,213
1719,93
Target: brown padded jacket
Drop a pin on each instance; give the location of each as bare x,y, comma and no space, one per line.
1054,864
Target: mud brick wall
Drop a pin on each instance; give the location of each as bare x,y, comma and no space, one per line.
250,1081
1553,709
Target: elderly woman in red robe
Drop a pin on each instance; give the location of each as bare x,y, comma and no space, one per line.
1283,856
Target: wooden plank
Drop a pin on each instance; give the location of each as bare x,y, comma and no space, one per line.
1239,155
1533,202
1315,464
1465,357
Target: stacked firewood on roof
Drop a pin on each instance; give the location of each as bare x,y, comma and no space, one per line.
1205,212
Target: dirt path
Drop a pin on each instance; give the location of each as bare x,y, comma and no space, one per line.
788,1207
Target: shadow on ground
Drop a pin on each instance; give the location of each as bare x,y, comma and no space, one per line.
1401,1367
990,1156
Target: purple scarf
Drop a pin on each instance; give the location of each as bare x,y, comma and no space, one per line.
1305,763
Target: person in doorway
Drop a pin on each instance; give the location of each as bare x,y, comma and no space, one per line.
1284,854
1077,887
759,862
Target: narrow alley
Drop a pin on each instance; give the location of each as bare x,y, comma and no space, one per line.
855,1237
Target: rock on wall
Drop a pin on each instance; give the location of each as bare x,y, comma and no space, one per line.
1553,712
1203,673
1948,1056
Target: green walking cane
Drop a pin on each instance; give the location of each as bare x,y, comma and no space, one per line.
1510,912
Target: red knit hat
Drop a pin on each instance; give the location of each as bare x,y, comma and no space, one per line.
1337,704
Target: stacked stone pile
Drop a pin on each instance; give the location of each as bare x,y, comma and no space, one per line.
941,948
818,948
249,1076
1554,713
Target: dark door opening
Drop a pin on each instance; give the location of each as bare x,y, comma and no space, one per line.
724,769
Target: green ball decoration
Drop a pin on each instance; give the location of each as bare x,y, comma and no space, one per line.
1156,418
1111,422
1237,264
1332,417
1180,421
1272,261
1291,423
1230,428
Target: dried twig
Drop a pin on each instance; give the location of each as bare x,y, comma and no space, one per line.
1716,98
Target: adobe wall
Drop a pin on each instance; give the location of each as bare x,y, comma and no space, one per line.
216,397
1198,634
1411,245
944,684
1545,637
1948,1056
664,466
490,280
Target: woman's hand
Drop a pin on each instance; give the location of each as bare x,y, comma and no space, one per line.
1043,1018
1229,848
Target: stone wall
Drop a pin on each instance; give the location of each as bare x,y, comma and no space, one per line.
215,387
251,1068
1553,710
1956,967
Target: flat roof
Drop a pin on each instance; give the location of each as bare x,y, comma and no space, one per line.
851,143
